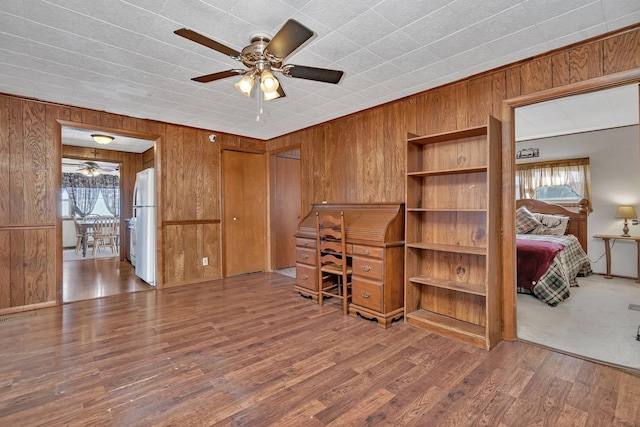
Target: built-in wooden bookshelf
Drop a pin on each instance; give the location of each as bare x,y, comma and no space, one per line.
453,257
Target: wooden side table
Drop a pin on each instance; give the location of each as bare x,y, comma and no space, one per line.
607,250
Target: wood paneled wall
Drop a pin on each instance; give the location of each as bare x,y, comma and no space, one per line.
148,158
355,159
27,205
360,158
30,175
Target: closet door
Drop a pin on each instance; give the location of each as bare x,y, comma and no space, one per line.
245,212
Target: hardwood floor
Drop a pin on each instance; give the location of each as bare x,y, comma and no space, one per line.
99,277
249,351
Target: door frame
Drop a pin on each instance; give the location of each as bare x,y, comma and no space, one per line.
122,228
509,312
58,177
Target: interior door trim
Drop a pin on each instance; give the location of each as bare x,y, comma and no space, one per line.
509,312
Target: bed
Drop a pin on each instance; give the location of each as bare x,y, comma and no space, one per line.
551,243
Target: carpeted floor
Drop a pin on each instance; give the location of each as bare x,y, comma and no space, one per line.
291,272
595,322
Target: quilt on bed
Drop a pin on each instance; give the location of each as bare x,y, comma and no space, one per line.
570,262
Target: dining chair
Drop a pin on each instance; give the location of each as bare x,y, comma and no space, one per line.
79,234
105,234
334,271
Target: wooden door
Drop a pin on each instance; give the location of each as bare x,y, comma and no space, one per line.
285,210
245,212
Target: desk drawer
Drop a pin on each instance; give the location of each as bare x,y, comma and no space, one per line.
370,251
305,243
307,277
306,256
367,267
367,294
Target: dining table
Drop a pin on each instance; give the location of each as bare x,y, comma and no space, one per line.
86,227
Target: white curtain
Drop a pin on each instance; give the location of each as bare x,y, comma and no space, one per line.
574,173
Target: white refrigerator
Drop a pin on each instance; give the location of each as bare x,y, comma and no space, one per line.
144,218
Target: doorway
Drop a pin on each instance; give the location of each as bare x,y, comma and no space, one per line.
595,321
285,207
107,270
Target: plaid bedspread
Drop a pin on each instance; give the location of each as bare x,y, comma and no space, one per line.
553,286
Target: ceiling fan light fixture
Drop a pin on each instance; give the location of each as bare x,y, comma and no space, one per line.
102,139
268,96
268,82
90,172
246,84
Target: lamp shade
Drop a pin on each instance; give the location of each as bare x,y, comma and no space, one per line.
102,139
626,212
271,95
269,83
246,84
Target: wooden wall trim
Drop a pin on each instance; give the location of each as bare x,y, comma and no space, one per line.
597,83
108,129
242,149
7,227
20,309
191,222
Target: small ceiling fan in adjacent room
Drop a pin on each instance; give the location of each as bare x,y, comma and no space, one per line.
263,57
89,168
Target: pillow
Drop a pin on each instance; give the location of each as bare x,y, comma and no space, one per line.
526,222
554,225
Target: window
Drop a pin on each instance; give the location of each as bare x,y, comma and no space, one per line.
66,204
556,193
564,182
99,209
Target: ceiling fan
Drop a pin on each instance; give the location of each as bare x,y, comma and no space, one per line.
90,168
264,56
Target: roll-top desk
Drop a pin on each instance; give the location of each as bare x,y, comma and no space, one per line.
375,241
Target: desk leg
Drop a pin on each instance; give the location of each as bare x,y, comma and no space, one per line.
638,253
607,251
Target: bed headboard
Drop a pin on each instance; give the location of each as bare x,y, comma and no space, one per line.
577,220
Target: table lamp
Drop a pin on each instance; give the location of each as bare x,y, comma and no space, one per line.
626,212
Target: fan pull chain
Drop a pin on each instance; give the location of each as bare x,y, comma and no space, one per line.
259,96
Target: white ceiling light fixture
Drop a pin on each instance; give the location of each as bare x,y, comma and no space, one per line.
271,95
102,139
245,85
268,82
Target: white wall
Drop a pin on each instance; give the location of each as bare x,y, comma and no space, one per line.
68,234
615,180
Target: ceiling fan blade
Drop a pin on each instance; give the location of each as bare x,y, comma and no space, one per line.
206,41
290,37
217,76
281,92
312,73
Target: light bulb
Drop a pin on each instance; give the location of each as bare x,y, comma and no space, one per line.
269,83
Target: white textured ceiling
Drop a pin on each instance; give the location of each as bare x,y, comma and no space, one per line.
605,109
82,138
122,56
